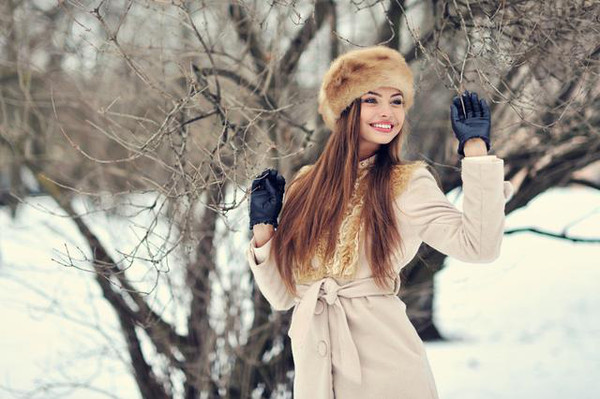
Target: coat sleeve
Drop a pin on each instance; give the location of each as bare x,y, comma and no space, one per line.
473,235
267,277
265,272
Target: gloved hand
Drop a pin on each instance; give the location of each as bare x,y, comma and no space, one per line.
266,198
476,122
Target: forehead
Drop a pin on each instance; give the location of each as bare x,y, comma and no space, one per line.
384,90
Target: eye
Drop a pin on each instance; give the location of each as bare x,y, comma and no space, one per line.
368,100
398,101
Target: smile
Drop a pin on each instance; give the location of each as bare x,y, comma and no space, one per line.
382,127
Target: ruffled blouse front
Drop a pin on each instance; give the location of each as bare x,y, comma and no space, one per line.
344,264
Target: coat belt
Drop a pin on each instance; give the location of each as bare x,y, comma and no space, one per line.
328,289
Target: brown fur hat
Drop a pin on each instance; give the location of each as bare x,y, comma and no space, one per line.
358,71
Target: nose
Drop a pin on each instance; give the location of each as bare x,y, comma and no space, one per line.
385,110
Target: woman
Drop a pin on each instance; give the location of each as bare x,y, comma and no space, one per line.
352,220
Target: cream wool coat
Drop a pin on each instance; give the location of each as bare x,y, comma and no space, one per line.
352,340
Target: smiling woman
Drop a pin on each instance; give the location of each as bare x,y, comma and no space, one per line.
350,223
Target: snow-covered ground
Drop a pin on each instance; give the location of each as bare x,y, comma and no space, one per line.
525,326
528,324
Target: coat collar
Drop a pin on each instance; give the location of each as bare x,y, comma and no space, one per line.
367,161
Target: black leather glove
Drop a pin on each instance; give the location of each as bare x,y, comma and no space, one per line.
266,198
474,121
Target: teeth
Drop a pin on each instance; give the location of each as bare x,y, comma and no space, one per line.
382,126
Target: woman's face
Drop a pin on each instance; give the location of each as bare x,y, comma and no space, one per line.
381,118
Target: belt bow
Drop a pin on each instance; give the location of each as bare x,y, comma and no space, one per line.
328,289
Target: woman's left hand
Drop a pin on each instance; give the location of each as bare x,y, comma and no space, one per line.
472,121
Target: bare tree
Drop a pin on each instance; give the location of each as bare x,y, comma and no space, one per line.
183,102
538,63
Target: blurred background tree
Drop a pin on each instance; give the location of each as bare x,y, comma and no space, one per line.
186,101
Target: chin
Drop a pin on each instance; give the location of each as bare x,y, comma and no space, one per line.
377,137
382,139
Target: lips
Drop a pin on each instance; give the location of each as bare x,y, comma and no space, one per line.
380,127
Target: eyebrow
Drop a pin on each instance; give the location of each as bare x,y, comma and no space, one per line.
379,95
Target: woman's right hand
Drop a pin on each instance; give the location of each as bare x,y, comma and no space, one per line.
266,198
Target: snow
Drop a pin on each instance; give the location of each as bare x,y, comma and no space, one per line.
524,326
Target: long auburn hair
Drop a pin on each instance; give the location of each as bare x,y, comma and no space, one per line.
316,200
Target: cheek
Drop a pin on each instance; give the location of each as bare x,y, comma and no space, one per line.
400,117
364,115
364,130
364,120
368,114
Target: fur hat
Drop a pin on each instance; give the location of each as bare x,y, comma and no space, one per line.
358,71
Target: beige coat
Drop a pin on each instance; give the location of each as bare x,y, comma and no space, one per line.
352,340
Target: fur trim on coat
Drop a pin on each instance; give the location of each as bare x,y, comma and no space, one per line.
345,263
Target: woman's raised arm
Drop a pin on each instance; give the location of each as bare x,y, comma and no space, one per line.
267,277
473,235
263,266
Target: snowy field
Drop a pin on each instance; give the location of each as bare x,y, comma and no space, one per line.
524,327
527,325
